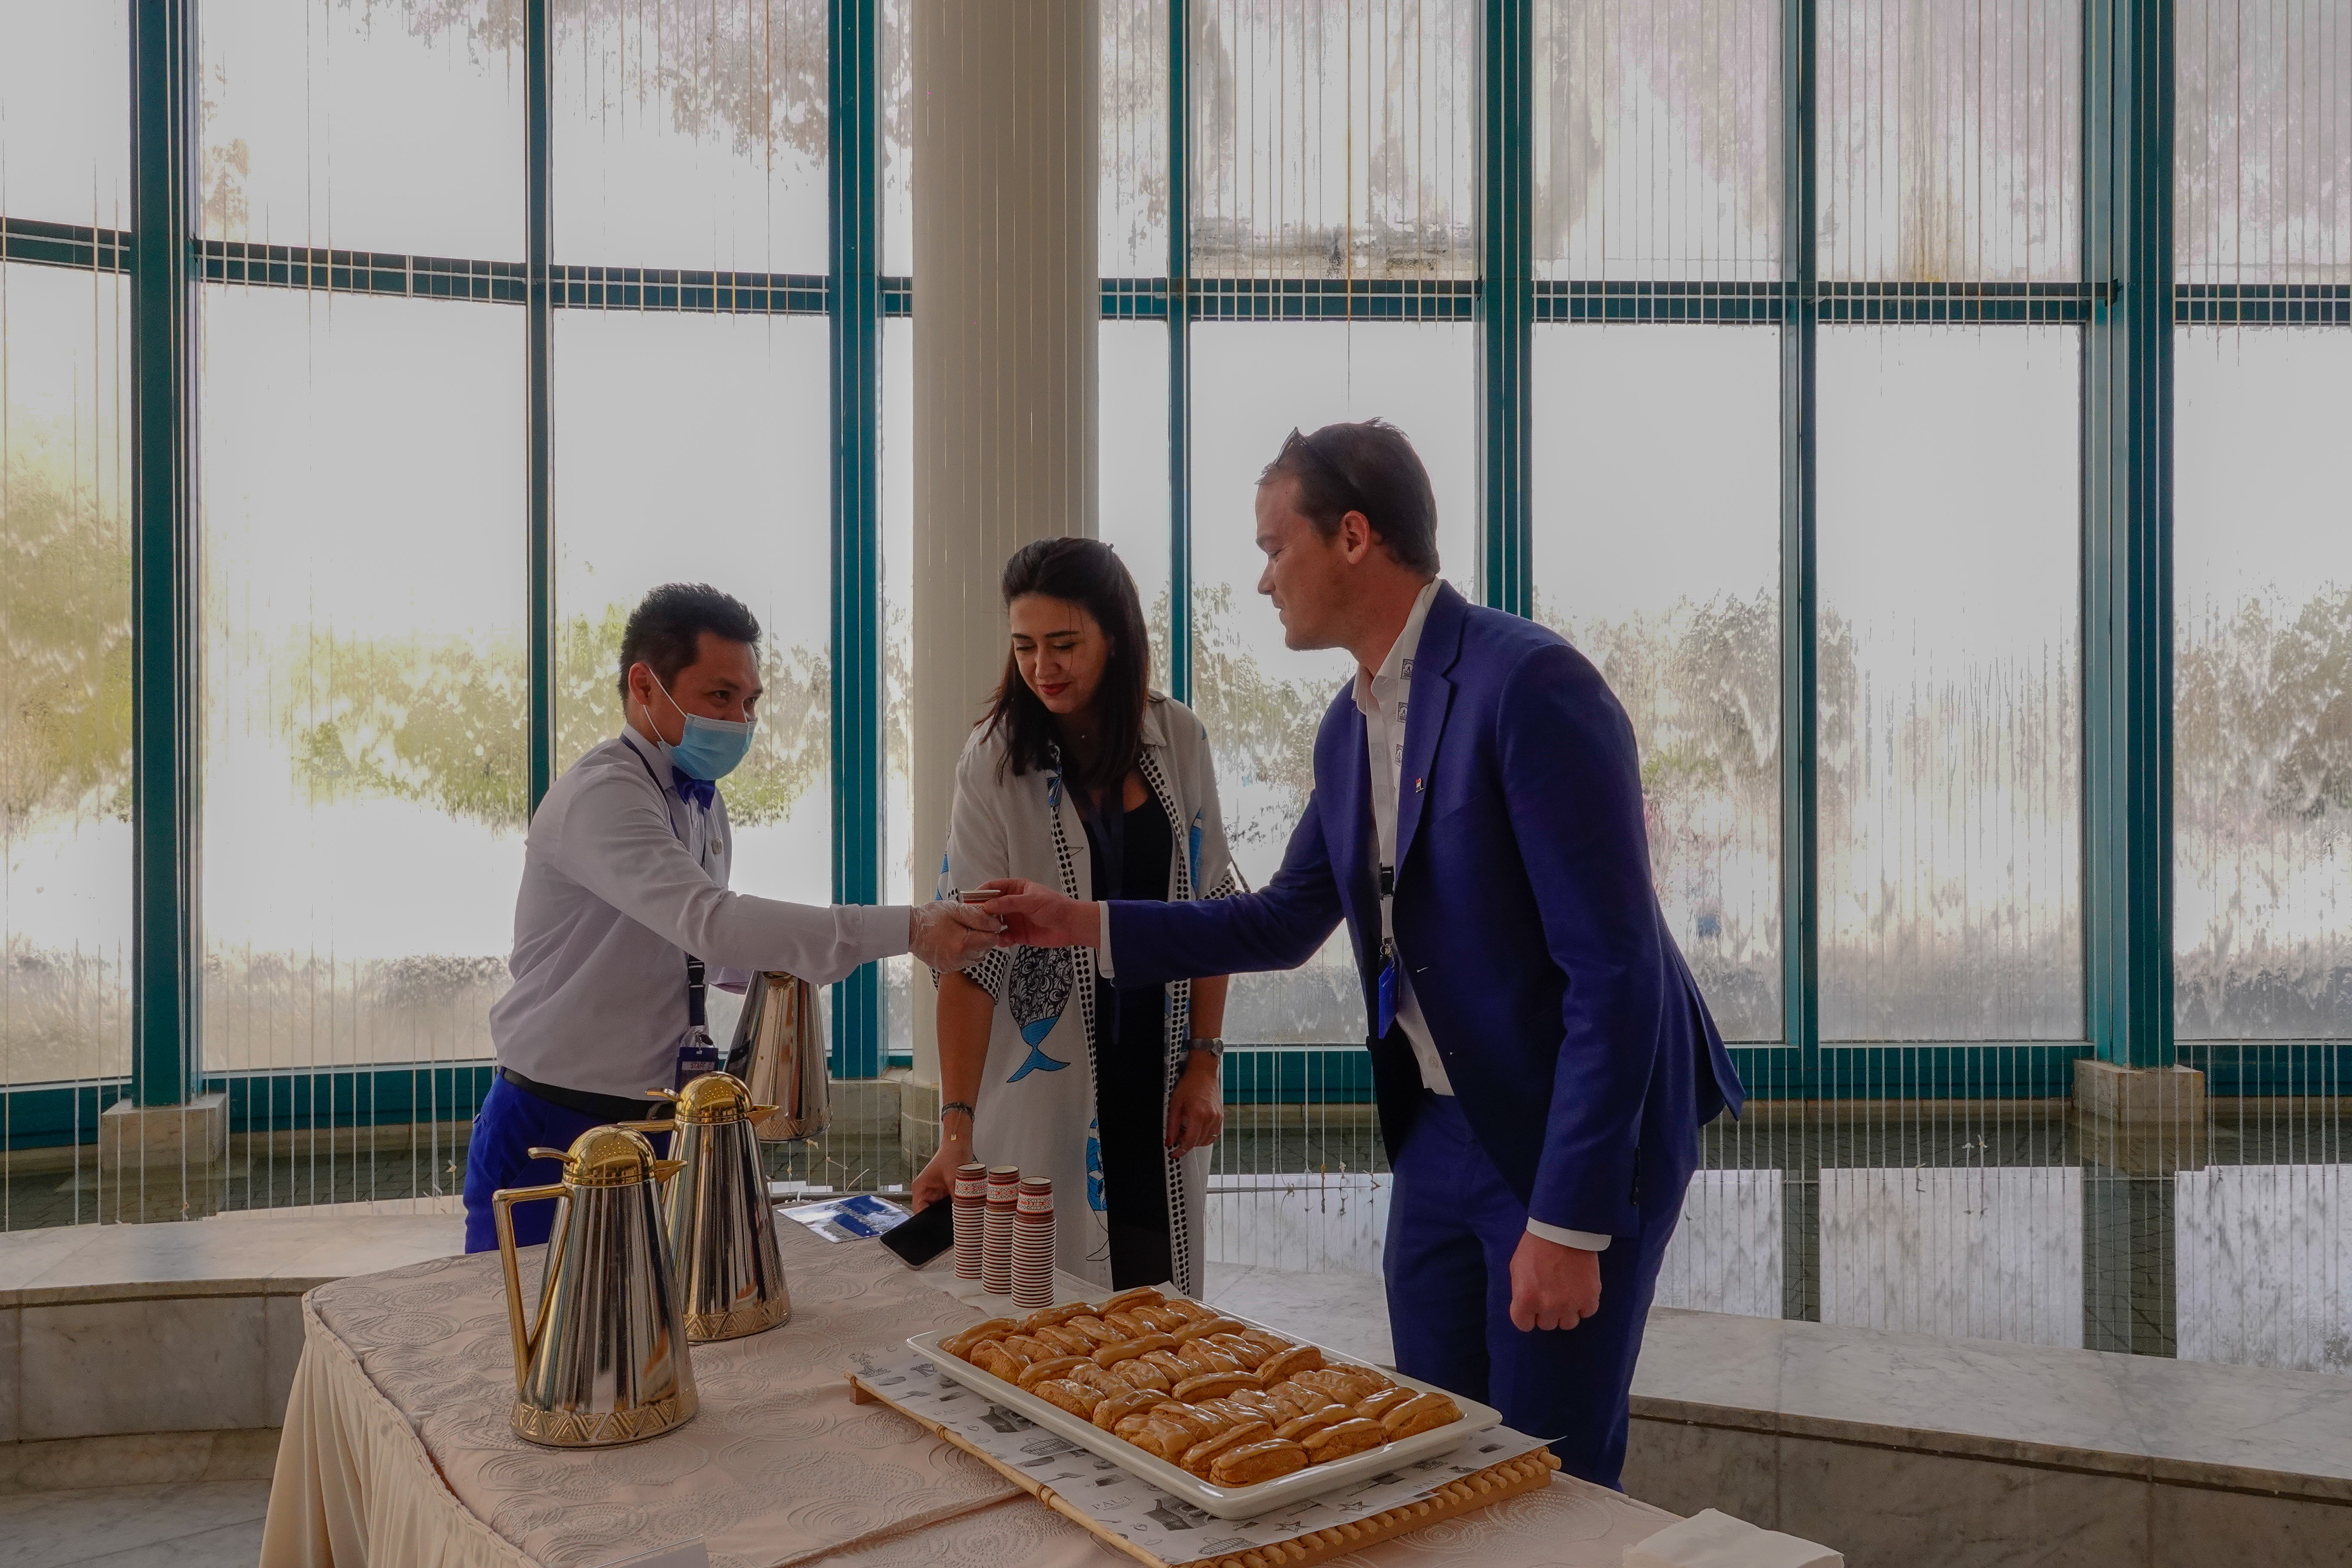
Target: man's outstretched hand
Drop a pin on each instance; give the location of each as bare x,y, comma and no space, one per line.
1036,916
1552,1286
945,936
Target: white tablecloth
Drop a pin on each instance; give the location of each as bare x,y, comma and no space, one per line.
396,1451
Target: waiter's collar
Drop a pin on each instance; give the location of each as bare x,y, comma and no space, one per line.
646,749
1398,663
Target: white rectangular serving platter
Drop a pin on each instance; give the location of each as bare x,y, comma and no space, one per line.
1223,1502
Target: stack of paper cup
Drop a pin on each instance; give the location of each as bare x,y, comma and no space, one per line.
1033,1245
971,1217
996,1239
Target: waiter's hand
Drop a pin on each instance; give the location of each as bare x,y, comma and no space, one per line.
1552,1286
1036,916
945,936
1196,1110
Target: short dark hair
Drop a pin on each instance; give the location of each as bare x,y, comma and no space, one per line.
665,631
1089,575
1367,467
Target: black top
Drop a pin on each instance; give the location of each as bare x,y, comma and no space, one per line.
1131,853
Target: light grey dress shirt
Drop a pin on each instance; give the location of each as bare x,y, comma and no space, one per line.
621,879
1384,698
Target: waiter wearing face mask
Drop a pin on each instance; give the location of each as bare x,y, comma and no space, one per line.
624,909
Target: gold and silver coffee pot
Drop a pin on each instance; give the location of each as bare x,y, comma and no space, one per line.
720,1224
606,1360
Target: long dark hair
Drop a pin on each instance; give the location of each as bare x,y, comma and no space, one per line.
1089,575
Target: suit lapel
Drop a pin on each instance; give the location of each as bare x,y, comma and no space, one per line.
1347,830
1428,699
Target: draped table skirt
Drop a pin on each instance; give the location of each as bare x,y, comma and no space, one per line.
396,1451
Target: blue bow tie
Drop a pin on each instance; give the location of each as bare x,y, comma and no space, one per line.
698,792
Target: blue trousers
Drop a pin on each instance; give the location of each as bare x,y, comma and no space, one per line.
1454,1223
507,1127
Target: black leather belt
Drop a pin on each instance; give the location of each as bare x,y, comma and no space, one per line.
603,1107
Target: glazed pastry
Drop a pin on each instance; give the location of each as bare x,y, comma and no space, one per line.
1215,1385
1037,1372
1206,1358
1305,1395
993,1359
1422,1413
1265,1339
1117,1407
1049,1317
1071,1341
1201,1456
1344,1384
1200,1327
1103,1382
1160,1318
1290,1362
1029,1347
1141,1296
1346,1437
1240,1348
1170,1435
1127,1325
1229,1412
958,1344
1247,1464
1263,1403
1298,1428
1376,1406
1110,1355
1097,1332
1143,1374
1075,1397
1191,1311
1168,1361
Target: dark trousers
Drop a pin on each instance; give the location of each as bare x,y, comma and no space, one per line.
511,1123
1454,1223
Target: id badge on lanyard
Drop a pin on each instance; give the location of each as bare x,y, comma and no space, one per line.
696,1053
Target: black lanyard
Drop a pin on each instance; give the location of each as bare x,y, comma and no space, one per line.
697,992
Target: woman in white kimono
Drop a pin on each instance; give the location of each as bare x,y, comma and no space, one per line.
1082,778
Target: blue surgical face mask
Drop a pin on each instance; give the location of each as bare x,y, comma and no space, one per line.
710,749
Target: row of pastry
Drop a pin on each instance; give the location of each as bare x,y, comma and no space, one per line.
1232,1404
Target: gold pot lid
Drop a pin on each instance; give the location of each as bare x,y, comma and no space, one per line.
715,1098
610,1157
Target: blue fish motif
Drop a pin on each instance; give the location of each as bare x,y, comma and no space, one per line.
1036,990
1192,855
1095,1168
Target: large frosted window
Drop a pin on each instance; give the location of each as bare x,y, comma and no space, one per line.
365,675
1666,572
1132,204
1950,743
1334,140
1657,139
2263,685
1951,139
65,686
364,125
690,134
1132,428
1260,700
65,113
2263,140
741,499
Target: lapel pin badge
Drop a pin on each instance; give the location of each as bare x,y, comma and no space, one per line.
1416,786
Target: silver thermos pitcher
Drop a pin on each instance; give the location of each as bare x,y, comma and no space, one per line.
721,1226
778,1053
605,1360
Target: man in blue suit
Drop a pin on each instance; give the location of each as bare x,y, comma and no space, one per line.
1542,1059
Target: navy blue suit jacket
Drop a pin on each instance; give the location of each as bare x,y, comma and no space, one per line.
1571,1028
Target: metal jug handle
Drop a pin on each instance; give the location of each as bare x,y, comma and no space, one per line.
502,1203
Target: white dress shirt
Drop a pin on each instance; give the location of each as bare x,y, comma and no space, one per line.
1384,698
621,881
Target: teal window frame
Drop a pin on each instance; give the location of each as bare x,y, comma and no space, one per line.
2127,305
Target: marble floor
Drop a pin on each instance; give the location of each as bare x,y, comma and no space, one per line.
205,1524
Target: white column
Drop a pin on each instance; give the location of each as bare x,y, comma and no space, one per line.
1007,305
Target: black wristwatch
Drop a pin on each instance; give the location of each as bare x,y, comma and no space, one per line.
1214,1047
